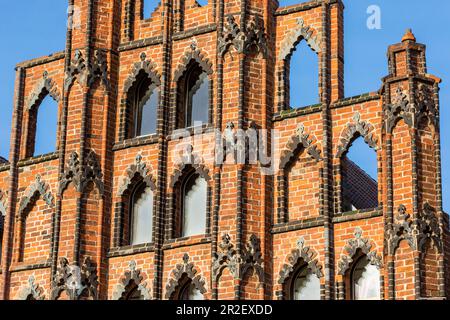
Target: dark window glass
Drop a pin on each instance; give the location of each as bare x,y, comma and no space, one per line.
132,292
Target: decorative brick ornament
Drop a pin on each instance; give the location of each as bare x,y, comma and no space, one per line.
31,292
304,254
45,86
138,169
350,249
38,189
243,38
225,257
352,131
300,32
300,139
425,105
132,276
429,228
77,70
252,259
185,269
400,108
401,230
75,281
82,175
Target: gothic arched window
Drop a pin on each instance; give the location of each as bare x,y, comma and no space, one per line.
187,290
190,292
194,205
365,280
142,106
306,285
145,107
132,292
193,97
43,127
359,169
141,215
301,77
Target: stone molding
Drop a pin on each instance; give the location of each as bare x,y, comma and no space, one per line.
38,189
301,253
350,249
352,130
32,290
131,275
45,86
184,269
290,41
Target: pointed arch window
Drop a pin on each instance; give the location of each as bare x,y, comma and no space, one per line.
359,169
132,292
142,106
306,285
194,97
146,100
187,290
365,280
190,292
43,127
141,215
301,77
194,205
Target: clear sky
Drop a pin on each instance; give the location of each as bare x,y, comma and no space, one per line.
30,29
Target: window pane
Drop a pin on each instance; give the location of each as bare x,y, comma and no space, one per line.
194,215
307,286
46,126
150,114
142,217
195,294
199,100
366,281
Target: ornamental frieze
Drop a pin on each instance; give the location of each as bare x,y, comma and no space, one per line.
243,38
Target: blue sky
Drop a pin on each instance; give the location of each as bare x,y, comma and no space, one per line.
30,29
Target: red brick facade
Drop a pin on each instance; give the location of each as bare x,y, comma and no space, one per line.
69,208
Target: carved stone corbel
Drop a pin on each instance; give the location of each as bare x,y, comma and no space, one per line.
401,230
243,38
75,281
